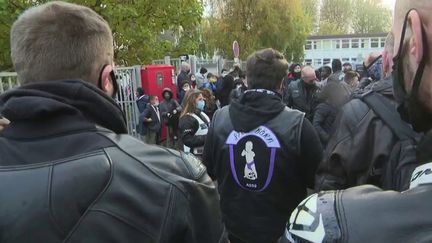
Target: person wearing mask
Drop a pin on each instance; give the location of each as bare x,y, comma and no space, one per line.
194,123
185,87
211,84
170,112
345,216
262,154
372,71
337,75
69,170
201,79
183,75
210,103
303,94
333,96
152,117
294,73
362,127
193,81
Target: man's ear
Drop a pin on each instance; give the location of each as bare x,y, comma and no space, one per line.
416,47
106,83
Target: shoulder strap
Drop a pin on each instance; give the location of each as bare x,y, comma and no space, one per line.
388,113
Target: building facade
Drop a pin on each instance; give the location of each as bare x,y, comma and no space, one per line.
321,50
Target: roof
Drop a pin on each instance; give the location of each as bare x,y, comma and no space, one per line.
324,37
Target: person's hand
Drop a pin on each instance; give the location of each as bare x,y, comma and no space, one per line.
174,112
169,115
149,120
3,123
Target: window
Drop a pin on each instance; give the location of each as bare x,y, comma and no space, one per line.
383,42
345,44
336,44
327,61
308,61
364,43
355,43
317,62
344,60
308,45
353,59
326,44
317,45
374,43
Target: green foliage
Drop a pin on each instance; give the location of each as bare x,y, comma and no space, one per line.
353,16
136,24
370,17
256,24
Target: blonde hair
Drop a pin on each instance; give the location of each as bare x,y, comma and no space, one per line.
59,40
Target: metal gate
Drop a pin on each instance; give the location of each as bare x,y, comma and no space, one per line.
8,81
128,78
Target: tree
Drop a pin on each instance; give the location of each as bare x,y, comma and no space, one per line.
311,10
136,24
335,17
256,24
370,16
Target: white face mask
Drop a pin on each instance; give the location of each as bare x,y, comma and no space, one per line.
186,89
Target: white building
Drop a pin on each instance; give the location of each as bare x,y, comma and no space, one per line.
321,50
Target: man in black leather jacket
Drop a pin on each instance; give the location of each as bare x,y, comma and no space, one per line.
303,94
68,172
364,142
262,154
367,214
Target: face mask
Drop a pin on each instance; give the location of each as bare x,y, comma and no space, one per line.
411,109
201,105
156,103
186,89
167,96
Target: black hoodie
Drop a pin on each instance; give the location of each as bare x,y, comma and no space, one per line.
52,109
260,182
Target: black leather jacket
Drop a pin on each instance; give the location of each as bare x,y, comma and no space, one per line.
362,139
65,179
256,209
303,98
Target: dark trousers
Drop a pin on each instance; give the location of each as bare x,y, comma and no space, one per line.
152,137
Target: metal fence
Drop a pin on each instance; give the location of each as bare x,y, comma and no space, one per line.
214,66
128,78
8,81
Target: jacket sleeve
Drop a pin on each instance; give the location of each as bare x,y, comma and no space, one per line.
318,121
208,149
196,208
188,127
310,152
146,114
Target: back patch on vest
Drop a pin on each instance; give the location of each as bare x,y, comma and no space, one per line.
252,158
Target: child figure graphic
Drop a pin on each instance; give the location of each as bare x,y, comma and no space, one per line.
249,170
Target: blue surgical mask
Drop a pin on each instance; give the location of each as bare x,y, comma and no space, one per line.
200,105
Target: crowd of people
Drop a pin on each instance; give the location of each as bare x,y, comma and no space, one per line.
251,143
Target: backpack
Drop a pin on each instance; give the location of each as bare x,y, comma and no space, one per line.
396,173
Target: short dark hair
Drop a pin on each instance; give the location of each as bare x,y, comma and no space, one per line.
140,91
59,40
266,69
203,70
336,65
